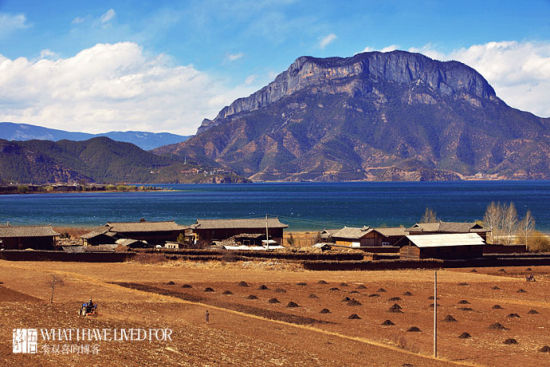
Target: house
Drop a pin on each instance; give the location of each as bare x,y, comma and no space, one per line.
326,234
209,230
368,236
442,246
153,233
448,227
353,236
23,237
99,236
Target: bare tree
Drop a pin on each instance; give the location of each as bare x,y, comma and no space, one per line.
429,216
493,219
510,221
527,225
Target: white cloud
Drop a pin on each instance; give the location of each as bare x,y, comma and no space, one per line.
328,39
389,48
250,79
235,57
385,49
48,54
518,71
111,87
78,20
107,16
12,22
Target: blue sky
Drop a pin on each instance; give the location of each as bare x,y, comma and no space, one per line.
176,62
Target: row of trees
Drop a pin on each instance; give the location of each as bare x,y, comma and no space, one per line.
503,222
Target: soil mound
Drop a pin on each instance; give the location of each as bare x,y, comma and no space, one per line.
227,292
388,323
273,300
465,335
510,341
280,290
413,329
354,302
243,284
263,287
187,286
252,297
322,282
533,312
497,326
395,308
463,302
354,316
292,304
325,310
449,318
497,307
208,289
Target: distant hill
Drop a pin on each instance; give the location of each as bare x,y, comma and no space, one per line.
144,140
374,116
99,160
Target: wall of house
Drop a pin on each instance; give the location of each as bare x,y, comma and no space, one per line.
447,252
152,238
21,243
210,235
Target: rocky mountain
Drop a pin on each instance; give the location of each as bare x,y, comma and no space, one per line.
374,116
144,140
100,160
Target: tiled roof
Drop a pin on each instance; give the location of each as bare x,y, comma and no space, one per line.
352,233
27,231
391,231
144,226
238,223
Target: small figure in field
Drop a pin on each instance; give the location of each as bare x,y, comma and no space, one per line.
530,278
207,316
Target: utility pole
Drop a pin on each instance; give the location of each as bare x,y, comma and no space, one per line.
266,233
435,314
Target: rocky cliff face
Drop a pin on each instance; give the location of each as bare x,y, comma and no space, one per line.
374,116
446,78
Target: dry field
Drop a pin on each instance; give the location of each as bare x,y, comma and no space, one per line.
252,324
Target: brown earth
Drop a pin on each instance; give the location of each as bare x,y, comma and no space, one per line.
255,332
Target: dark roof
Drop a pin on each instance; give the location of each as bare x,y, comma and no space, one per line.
238,223
447,227
27,231
96,232
144,226
352,233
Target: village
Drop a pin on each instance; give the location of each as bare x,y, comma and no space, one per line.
264,238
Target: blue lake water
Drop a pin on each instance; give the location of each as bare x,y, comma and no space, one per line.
304,206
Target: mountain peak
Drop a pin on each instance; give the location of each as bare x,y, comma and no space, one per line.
367,69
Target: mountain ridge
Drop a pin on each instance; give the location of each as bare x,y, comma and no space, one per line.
143,139
97,160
